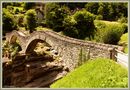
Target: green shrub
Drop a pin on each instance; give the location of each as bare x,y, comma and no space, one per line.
99,24
112,36
85,24
109,32
99,17
124,42
123,20
10,9
54,15
20,19
8,20
97,73
16,11
92,7
69,27
123,39
80,25
30,20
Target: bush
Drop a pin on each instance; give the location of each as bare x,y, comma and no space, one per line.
20,20
109,32
10,9
123,39
80,25
96,73
8,20
123,20
92,7
69,27
99,17
111,36
85,24
54,15
16,11
124,42
30,20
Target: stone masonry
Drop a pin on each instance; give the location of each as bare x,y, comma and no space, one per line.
72,51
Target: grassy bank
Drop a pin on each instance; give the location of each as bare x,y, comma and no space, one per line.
99,73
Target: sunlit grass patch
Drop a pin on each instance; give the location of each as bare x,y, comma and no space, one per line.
98,73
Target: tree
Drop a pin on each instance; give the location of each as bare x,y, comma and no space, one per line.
92,7
85,24
9,22
80,25
54,16
107,10
30,20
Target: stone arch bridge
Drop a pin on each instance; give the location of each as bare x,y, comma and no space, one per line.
72,51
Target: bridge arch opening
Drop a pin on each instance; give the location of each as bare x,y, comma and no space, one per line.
35,44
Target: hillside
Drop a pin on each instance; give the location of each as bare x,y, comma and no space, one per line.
99,73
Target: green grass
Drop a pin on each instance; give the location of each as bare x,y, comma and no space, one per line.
126,49
98,73
124,39
124,42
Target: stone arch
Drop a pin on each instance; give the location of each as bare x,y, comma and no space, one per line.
32,44
13,39
16,38
14,43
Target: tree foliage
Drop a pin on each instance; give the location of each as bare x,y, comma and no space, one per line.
54,15
109,32
92,7
8,20
109,11
80,25
30,20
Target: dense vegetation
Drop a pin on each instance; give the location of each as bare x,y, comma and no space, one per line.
30,20
103,22
108,11
109,32
124,42
79,25
98,73
9,22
